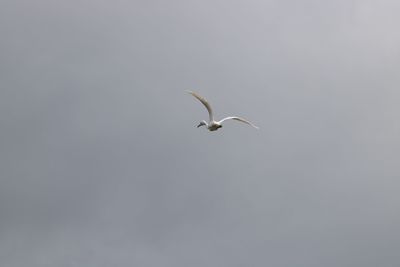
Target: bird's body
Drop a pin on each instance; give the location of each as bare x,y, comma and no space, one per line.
214,125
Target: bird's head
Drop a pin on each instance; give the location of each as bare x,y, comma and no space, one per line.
202,123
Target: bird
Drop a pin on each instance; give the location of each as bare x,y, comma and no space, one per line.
214,125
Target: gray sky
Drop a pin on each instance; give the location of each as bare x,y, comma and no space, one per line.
101,163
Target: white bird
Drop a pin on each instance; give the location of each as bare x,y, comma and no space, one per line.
213,125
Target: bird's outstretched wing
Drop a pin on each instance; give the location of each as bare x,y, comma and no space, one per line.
205,103
238,119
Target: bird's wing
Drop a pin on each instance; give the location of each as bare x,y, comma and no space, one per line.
205,103
238,119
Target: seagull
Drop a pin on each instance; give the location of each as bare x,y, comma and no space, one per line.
213,125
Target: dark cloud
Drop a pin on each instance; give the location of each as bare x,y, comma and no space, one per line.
101,163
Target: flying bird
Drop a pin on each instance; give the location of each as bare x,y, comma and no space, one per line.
213,125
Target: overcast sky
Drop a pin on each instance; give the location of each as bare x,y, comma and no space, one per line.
101,163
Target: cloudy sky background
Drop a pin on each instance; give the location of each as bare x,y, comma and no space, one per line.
101,163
